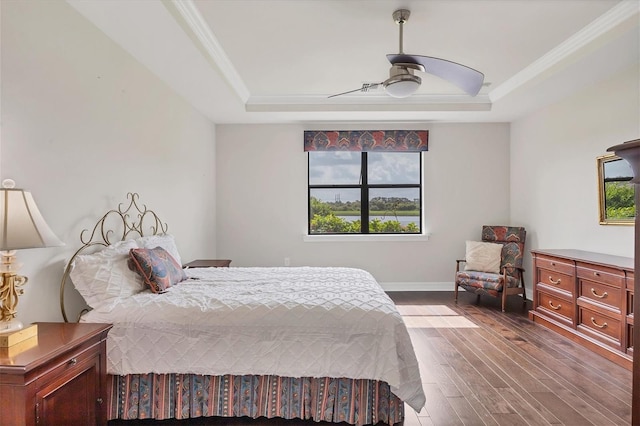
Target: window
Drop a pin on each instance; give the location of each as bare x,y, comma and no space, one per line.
368,192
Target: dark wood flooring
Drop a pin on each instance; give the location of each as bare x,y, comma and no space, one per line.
505,371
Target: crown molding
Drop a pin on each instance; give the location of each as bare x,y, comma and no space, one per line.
607,22
211,45
368,102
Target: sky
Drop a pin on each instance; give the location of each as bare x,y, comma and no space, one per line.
617,168
343,167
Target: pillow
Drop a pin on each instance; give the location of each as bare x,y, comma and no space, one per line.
483,257
165,241
103,277
158,268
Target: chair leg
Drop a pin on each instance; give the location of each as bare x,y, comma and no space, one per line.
455,292
504,299
478,299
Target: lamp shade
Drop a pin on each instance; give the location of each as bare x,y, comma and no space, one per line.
21,224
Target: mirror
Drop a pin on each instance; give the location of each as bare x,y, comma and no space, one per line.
615,190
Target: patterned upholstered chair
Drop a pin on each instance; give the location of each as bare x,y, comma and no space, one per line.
503,277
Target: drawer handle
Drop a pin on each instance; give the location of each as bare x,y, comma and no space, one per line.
597,274
553,263
73,361
99,401
599,296
593,321
556,282
555,307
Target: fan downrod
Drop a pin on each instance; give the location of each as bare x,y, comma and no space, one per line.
401,16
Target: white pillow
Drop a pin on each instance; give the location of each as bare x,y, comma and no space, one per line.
103,277
483,257
165,241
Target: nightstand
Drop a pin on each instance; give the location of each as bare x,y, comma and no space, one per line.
58,377
208,263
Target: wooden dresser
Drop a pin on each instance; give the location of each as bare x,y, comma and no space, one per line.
58,378
587,297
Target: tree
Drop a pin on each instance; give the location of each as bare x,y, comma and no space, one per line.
324,220
619,200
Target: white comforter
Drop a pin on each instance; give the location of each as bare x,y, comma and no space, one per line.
297,322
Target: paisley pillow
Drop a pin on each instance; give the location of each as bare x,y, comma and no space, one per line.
157,267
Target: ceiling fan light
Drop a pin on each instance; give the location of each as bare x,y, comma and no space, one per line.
402,86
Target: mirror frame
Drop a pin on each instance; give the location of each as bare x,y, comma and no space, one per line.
604,220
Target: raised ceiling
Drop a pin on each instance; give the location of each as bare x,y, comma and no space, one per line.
250,61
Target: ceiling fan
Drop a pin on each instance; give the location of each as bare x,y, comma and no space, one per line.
402,81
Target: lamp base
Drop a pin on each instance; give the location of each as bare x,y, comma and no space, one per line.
9,337
10,326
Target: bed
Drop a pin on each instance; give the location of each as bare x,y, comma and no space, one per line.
319,343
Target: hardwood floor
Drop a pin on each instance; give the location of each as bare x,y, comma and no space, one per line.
509,371
480,366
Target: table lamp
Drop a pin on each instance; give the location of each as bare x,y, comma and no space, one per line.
21,227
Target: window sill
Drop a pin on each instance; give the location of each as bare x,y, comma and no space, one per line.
358,238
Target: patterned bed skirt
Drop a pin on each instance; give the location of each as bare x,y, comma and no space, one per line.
181,396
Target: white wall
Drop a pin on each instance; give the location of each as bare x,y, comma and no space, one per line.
83,123
554,187
262,201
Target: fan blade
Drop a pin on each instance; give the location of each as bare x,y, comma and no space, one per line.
365,88
462,76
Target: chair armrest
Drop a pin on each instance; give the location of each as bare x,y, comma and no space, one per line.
458,262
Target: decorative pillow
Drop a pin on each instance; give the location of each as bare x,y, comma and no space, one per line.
158,268
483,257
165,241
103,277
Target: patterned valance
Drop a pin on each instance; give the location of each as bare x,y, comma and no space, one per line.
366,140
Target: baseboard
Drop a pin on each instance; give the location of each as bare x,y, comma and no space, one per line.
417,286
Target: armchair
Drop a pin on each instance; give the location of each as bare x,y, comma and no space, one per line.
491,270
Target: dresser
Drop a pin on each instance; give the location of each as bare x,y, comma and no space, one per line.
587,297
55,378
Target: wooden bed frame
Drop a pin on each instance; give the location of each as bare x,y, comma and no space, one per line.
183,396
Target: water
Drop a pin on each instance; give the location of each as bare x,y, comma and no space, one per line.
404,220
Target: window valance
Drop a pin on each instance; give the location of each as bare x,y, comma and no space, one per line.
366,140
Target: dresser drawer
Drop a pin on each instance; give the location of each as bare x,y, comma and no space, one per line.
555,306
556,280
554,264
603,327
601,274
601,293
630,281
70,365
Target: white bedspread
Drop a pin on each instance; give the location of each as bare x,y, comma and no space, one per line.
297,322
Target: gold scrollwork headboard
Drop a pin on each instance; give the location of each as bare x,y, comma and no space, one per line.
123,223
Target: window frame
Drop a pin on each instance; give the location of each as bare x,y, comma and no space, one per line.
365,187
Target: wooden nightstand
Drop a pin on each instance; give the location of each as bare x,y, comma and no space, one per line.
56,378
208,263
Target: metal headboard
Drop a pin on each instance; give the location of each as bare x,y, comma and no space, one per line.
125,223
